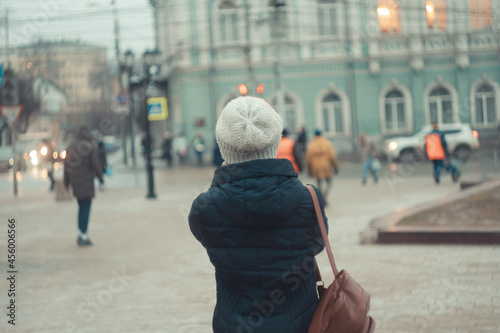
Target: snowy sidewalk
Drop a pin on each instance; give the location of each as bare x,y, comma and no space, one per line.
147,273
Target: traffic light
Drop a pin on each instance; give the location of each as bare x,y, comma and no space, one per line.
260,88
242,89
10,94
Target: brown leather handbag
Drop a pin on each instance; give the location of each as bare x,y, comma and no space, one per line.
344,305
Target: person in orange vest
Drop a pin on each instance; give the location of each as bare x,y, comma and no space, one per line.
436,150
287,149
321,158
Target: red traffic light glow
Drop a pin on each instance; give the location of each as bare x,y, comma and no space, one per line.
242,89
260,88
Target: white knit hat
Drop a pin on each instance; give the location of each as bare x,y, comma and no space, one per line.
248,129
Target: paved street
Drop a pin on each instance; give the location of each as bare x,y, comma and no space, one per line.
146,273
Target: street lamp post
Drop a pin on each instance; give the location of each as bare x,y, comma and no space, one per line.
151,58
129,63
120,71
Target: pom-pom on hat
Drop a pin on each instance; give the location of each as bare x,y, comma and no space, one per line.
248,129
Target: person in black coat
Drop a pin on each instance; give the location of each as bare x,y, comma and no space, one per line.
166,146
258,224
81,166
101,156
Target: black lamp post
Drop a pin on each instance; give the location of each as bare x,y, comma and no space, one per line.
129,64
151,58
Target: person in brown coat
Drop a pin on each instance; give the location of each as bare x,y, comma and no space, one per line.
81,166
321,159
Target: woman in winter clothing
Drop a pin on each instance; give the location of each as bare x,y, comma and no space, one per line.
81,166
321,159
258,225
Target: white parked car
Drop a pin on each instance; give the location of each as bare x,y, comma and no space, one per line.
460,138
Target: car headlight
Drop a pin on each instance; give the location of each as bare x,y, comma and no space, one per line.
44,151
33,153
393,145
63,154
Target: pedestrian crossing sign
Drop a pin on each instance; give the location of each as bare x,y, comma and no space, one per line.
157,108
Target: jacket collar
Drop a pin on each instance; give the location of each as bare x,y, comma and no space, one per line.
253,169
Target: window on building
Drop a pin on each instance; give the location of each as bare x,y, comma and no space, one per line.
395,114
333,115
228,21
388,16
485,106
480,14
290,114
328,17
440,106
279,17
436,14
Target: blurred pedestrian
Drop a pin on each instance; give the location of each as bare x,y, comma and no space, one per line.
48,159
180,147
101,156
301,144
288,150
258,225
144,142
167,148
198,145
321,158
81,166
436,150
302,139
368,157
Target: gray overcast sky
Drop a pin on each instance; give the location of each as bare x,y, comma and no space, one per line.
87,20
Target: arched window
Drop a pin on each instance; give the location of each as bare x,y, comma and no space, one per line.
388,16
329,17
394,111
436,14
440,106
332,114
225,99
279,18
228,21
289,115
485,113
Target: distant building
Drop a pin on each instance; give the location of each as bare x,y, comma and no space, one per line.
78,69
385,67
46,110
53,108
53,101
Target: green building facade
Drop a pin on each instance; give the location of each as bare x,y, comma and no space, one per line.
386,68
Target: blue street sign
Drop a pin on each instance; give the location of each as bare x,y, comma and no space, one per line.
122,99
1,75
157,108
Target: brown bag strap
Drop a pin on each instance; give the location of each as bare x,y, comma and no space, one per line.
321,223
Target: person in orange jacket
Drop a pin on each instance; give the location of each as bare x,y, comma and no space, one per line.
321,159
436,150
288,150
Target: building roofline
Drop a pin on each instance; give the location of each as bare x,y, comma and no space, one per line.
63,43
50,82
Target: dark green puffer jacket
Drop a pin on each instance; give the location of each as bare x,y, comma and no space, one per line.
258,225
